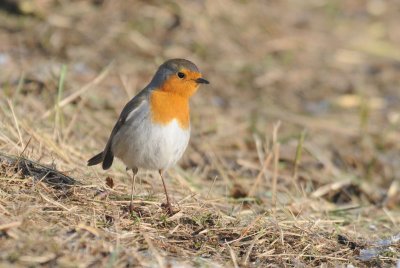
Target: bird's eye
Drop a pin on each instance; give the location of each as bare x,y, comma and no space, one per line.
181,75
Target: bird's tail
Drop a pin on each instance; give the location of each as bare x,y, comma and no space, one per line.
97,159
106,157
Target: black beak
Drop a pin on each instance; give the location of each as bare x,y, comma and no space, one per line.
201,81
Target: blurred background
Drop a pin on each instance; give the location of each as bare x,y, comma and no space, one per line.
328,67
313,84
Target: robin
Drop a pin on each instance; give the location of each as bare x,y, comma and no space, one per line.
153,129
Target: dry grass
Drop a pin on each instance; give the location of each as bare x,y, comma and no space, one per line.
294,158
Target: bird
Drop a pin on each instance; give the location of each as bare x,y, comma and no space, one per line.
153,129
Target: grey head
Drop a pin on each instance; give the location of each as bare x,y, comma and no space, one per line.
172,67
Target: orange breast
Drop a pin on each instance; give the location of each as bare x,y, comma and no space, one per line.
167,106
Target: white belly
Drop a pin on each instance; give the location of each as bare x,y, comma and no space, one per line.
150,146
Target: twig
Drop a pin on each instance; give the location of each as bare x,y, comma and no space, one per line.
299,151
233,257
265,165
276,147
212,186
57,204
16,123
76,94
58,117
10,225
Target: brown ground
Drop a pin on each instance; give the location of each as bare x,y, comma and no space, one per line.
295,152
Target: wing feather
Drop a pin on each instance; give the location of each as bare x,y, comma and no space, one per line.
127,113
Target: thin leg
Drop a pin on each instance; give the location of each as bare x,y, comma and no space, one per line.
165,190
134,172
